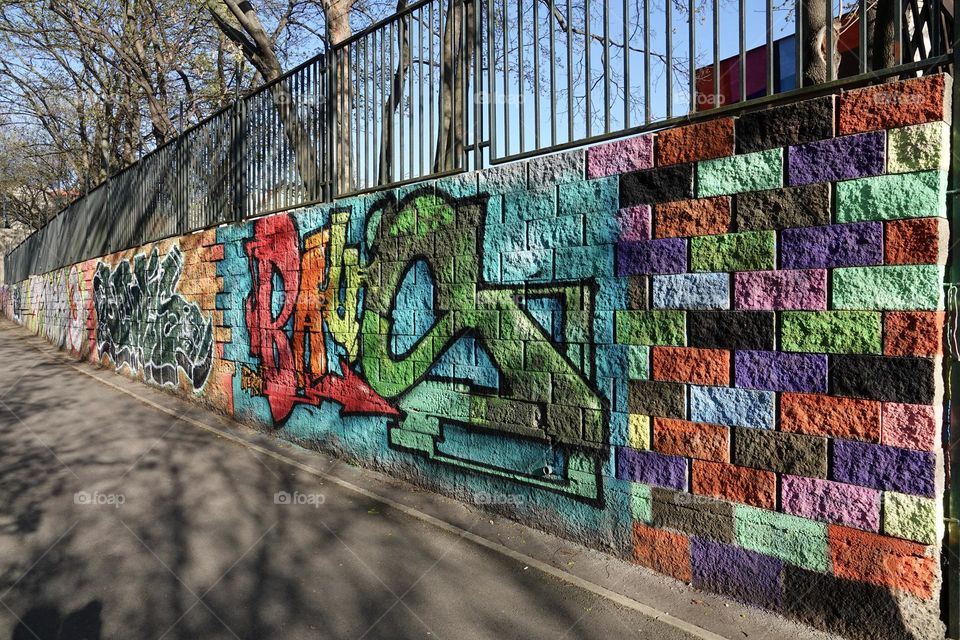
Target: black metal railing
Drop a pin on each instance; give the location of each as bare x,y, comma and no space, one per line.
445,86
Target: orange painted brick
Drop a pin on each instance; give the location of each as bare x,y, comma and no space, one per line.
888,106
701,141
737,484
915,241
663,551
699,440
702,217
881,560
829,416
696,366
913,333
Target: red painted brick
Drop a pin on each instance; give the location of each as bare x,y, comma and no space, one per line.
881,560
913,333
699,440
695,366
915,241
701,141
737,484
892,105
706,216
829,416
663,551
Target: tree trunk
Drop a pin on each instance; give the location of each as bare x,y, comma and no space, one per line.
457,47
387,138
338,27
815,56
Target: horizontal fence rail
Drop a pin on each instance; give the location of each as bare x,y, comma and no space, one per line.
445,86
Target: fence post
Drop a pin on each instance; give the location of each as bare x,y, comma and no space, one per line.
237,129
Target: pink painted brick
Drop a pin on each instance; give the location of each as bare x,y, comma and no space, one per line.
789,289
634,222
831,501
620,157
911,426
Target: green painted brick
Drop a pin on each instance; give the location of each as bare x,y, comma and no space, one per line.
831,331
650,327
749,251
799,541
638,362
913,287
919,148
911,517
736,174
892,197
641,503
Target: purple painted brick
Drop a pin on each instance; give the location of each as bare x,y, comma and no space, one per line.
774,290
831,502
668,255
777,371
634,222
835,245
886,468
836,159
736,572
652,468
620,157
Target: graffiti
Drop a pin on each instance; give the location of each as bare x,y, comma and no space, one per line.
143,324
58,308
293,299
460,356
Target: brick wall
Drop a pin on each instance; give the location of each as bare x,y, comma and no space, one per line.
715,350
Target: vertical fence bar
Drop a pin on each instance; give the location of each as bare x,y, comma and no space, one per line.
716,54
491,82
769,57
742,19
831,40
626,63
607,66
553,72
692,26
536,74
668,25
520,72
587,89
647,107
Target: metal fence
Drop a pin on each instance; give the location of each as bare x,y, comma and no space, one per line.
444,86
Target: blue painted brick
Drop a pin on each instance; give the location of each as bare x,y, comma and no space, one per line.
732,407
692,291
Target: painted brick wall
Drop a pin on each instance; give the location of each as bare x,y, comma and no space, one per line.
715,350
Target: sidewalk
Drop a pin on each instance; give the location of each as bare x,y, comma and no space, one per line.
126,512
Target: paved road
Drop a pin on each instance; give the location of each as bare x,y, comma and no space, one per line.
119,521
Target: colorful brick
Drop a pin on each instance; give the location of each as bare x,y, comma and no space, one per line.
855,156
651,186
786,125
746,251
832,502
798,541
737,484
912,517
869,557
885,468
913,287
651,468
707,216
692,291
700,141
921,147
779,451
736,572
829,416
691,439
831,331
736,174
911,426
916,241
731,329
632,154
778,371
650,327
887,106
689,365
892,197
732,407
838,245
668,255
663,551
913,333
905,379
777,290
783,208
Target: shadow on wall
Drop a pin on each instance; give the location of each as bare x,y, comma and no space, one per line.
45,622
